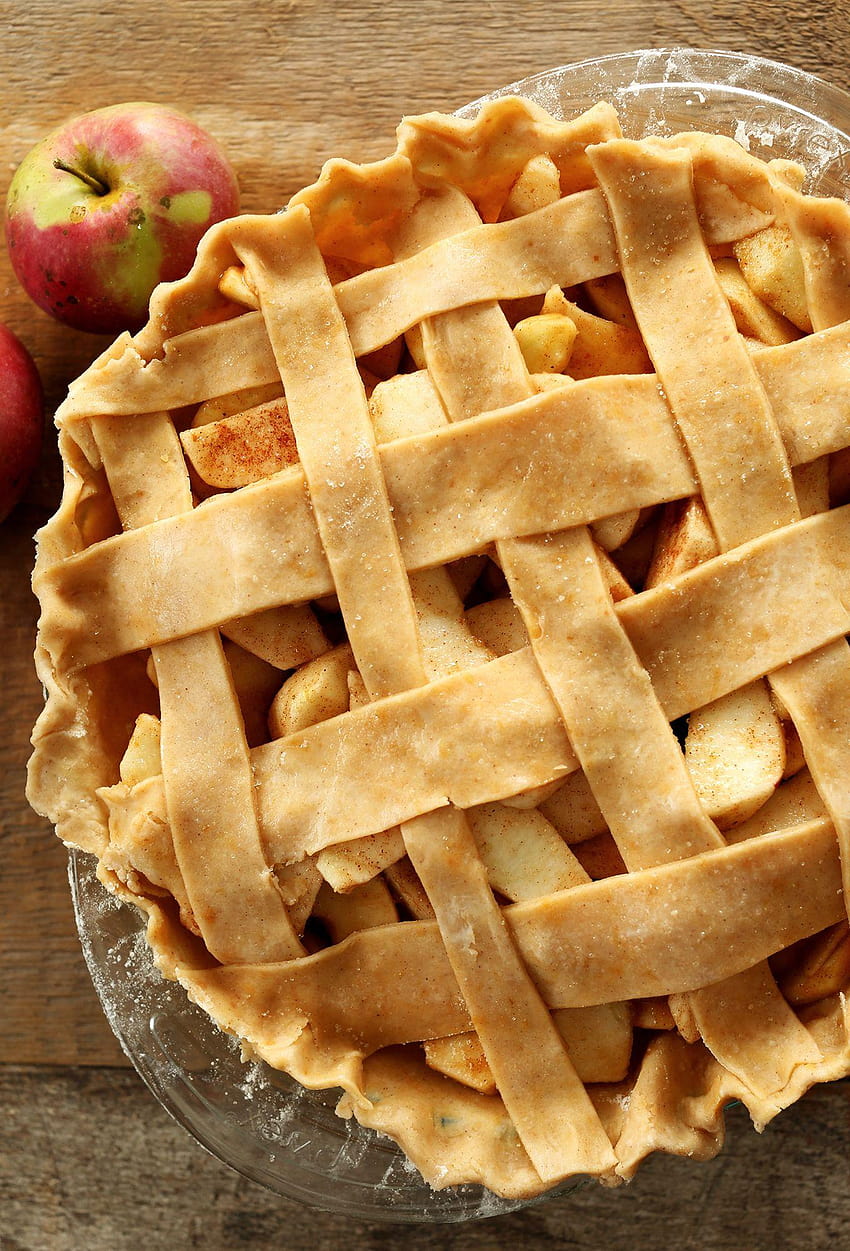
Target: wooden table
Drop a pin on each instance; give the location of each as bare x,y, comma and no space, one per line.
87,1158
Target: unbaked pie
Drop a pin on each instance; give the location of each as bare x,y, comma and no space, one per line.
443,630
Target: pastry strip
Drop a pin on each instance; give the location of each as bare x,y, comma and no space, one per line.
719,404
680,631
544,1096
821,230
565,243
211,808
651,808
584,425
492,263
620,733
744,475
693,312
519,1038
811,422
815,690
673,918
230,886
547,1103
333,433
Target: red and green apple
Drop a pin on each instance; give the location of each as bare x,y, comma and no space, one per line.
21,419
111,204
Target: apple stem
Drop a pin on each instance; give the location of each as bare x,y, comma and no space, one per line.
95,183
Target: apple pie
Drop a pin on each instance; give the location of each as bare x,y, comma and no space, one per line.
443,632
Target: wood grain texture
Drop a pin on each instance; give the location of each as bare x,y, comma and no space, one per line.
140,1182
285,84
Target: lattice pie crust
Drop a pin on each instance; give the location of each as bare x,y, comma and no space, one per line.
408,641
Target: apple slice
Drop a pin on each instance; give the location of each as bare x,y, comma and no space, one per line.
407,887
523,853
351,864
462,1058
315,692
600,857
256,683
811,486
235,451
612,532
823,969
610,300
601,346
285,637
141,757
362,908
735,752
539,184
406,404
598,1040
546,341
299,885
753,317
684,540
234,402
652,1013
772,267
792,802
573,811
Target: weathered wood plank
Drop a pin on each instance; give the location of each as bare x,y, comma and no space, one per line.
139,1181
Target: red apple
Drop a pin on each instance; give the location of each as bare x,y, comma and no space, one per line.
21,419
111,204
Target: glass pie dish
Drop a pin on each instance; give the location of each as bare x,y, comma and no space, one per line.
252,1117
258,1120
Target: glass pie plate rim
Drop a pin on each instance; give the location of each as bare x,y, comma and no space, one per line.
262,1123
